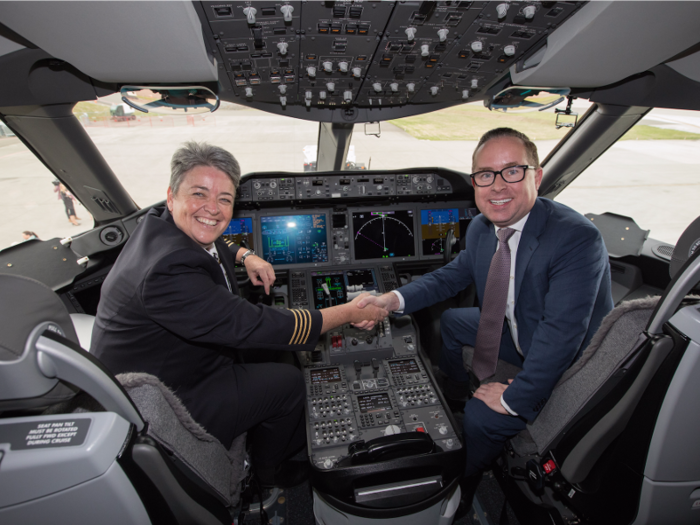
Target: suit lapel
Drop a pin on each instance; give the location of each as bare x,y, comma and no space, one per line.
529,241
227,261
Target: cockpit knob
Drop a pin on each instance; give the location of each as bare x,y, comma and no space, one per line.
501,10
442,34
356,72
425,50
509,51
322,95
377,86
308,102
394,86
343,66
434,90
328,67
390,430
465,94
311,71
411,87
250,13
283,101
475,83
477,46
249,92
529,12
347,96
282,88
411,33
330,86
287,11
282,46
308,95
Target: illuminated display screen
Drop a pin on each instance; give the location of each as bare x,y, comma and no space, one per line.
435,223
374,403
240,231
405,366
325,375
293,239
332,288
383,234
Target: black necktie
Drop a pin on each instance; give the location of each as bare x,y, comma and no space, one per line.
216,256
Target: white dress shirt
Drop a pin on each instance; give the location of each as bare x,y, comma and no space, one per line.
215,254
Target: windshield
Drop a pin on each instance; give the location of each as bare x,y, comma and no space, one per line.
656,159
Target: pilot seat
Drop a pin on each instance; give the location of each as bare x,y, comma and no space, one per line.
78,445
616,442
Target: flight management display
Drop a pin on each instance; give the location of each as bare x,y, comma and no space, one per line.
293,239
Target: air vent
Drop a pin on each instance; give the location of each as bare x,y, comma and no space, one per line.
663,251
103,200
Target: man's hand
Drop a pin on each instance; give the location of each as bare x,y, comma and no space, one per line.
388,301
260,272
371,311
351,313
491,393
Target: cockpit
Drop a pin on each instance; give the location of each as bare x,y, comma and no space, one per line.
355,124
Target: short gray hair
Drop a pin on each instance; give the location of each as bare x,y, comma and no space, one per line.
530,148
193,154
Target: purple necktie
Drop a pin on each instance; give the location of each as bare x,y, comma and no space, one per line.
493,310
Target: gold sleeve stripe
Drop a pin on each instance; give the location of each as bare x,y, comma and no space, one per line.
296,327
302,327
307,329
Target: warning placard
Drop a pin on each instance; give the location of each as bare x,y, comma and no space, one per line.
43,434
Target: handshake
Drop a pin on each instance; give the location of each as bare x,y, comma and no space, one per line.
364,311
370,309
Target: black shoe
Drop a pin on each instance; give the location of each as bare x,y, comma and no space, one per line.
286,475
468,487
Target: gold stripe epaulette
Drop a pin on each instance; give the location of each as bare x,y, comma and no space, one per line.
302,327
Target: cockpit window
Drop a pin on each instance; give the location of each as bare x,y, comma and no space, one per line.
34,202
650,174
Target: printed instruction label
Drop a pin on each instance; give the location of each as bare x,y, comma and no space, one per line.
45,434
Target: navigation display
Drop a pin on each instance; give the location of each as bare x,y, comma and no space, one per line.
325,375
374,403
294,239
240,232
383,234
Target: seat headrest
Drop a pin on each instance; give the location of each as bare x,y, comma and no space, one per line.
688,242
25,304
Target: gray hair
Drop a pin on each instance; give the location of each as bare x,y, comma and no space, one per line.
530,148
193,154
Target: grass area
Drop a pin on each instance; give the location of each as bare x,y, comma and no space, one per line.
470,121
93,109
642,132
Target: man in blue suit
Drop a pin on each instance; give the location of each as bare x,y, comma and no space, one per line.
559,291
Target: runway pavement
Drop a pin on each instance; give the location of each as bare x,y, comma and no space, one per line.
656,182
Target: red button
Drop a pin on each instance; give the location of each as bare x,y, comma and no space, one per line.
549,467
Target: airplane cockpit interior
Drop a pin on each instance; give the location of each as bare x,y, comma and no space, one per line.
615,441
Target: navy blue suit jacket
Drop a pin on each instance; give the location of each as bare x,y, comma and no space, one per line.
562,293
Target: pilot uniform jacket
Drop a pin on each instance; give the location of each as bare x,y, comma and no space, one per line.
562,293
166,310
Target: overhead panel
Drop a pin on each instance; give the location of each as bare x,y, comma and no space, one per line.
340,41
359,54
259,43
496,38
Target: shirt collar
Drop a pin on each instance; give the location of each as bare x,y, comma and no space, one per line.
518,226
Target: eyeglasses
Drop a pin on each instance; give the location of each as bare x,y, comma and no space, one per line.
511,174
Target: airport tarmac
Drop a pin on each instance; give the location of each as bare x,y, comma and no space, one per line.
656,182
